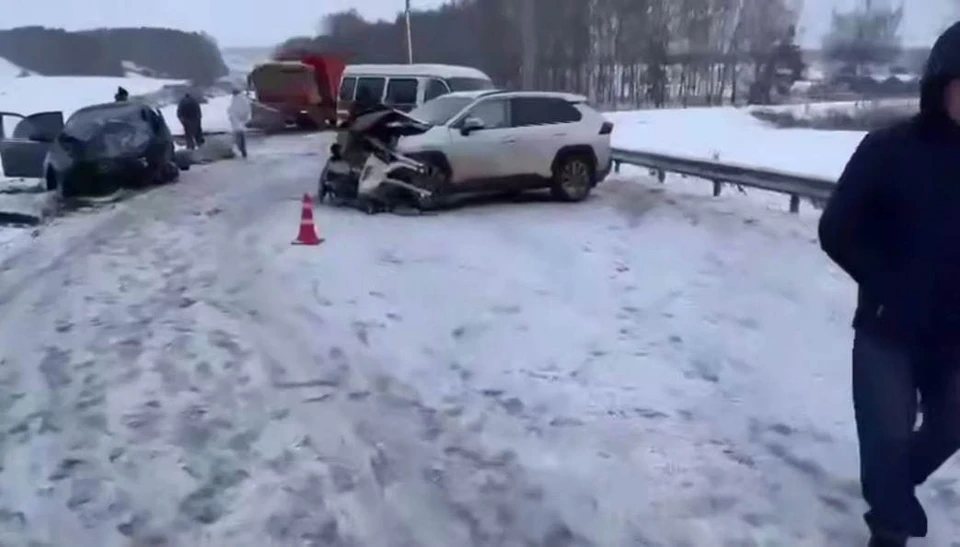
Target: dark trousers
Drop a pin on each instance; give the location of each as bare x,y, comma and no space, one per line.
240,138
192,133
894,455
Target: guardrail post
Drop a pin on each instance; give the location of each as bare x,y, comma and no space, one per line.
794,203
811,188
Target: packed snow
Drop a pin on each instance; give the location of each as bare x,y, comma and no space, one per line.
650,367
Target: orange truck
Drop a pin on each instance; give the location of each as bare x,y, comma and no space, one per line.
296,89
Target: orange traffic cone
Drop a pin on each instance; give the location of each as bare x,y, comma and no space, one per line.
308,231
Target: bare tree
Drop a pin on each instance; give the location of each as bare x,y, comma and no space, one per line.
618,52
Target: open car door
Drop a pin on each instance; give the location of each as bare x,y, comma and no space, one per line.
23,150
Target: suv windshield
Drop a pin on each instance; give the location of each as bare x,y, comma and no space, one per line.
439,111
469,84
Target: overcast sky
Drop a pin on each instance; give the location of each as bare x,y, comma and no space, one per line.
268,22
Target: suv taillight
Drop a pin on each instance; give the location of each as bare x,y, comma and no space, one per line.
606,128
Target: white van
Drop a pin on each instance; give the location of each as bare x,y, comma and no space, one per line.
406,87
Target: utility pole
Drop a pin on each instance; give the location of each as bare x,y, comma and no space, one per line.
528,39
409,35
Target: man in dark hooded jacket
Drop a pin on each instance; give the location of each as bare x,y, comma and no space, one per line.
190,116
893,224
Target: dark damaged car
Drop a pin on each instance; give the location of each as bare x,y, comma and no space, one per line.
100,149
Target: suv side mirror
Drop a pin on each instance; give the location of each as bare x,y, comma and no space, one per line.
471,124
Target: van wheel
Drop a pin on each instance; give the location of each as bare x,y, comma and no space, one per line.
573,178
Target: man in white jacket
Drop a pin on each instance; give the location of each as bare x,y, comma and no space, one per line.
239,113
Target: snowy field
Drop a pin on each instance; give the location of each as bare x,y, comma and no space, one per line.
733,135
640,369
68,94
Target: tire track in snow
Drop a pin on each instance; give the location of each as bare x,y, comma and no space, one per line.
147,404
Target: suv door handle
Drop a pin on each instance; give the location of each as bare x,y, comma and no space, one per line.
508,140
559,134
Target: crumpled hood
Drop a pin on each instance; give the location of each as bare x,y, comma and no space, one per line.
109,134
115,140
943,65
387,123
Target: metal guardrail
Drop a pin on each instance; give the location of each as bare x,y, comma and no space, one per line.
796,186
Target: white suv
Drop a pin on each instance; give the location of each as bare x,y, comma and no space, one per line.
513,141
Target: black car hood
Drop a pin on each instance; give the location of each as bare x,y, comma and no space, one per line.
109,134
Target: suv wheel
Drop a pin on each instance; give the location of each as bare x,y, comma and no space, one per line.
572,178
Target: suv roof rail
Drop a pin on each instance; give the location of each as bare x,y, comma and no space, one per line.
574,98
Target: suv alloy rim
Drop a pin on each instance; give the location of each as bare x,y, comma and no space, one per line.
575,178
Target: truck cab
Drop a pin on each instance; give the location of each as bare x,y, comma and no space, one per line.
296,89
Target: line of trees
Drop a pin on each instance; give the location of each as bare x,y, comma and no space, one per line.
618,52
102,52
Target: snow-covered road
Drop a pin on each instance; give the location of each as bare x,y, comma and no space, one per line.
647,368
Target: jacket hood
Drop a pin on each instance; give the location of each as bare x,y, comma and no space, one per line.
943,65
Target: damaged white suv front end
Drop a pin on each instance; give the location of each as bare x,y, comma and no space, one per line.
367,171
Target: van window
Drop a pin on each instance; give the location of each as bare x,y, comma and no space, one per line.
370,89
347,87
402,92
435,88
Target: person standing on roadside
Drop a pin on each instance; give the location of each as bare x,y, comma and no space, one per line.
239,112
190,116
892,225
